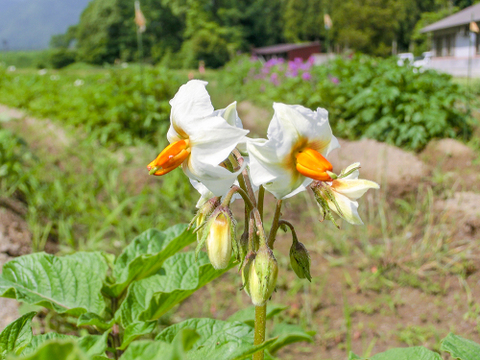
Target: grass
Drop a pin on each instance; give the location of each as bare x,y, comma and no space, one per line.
374,287
25,59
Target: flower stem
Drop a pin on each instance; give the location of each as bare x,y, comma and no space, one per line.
235,189
273,230
260,324
261,197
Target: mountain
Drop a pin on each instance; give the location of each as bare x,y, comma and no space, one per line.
29,24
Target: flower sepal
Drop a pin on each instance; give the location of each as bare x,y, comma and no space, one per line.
260,275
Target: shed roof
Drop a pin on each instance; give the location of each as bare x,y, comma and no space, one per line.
462,17
282,48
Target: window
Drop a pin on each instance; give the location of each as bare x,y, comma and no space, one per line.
477,43
450,44
438,46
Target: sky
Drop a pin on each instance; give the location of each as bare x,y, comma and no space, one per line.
29,24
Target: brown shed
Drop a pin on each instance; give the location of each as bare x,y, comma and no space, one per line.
288,51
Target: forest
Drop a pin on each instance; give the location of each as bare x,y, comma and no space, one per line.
179,33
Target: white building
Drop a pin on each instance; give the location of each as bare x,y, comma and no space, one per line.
454,47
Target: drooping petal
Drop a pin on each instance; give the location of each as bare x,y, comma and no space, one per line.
215,178
213,139
353,188
189,103
348,207
230,114
205,194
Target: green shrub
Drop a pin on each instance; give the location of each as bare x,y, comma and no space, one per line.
59,58
366,97
117,106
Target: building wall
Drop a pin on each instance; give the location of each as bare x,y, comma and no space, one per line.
462,55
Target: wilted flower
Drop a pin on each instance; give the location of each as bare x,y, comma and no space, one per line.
340,195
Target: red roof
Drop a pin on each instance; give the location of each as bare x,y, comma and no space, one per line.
282,48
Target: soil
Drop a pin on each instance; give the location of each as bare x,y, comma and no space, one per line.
336,304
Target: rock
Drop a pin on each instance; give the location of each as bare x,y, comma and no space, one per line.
15,238
8,307
397,171
448,154
462,212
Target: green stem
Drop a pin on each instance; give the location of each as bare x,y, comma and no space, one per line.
245,178
260,325
235,189
273,230
261,198
261,231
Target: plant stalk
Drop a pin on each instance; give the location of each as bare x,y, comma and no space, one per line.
273,230
260,324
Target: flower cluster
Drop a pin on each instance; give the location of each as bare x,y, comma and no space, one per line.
223,164
277,69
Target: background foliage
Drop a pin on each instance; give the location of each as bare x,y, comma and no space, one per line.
366,97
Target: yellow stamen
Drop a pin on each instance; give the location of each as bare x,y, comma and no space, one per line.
312,164
170,158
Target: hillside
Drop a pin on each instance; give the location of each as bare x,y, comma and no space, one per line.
29,24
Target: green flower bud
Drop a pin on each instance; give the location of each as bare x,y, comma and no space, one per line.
262,275
300,260
247,265
220,237
203,214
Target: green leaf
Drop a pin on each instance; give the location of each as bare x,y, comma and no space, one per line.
38,340
217,339
145,255
289,334
181,276
460,348
352,356
411,353
151,350
59,350
91,319
69,284
17,335
240,354
247,315
210,331
135,330
92,345
183,342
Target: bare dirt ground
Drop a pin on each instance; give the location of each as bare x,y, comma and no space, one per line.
357,300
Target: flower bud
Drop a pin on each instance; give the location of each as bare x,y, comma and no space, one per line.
262,275
300,260
203,214
220,236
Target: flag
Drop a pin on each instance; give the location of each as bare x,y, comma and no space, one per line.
474,27
139,18
327,21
